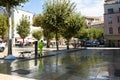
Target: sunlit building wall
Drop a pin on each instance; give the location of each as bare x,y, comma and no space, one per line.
112,23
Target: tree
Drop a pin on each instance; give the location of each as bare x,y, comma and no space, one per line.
56,12
48,36
37,20
40,21
3,26
37,34
73,25
95,33
23,29
82,34
8,4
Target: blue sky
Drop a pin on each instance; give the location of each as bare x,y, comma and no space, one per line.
34,6
86,7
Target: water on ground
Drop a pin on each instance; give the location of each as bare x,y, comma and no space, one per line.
79,65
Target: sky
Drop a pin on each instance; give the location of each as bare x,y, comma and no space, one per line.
85,7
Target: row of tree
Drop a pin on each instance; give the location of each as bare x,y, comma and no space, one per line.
91,34
59,18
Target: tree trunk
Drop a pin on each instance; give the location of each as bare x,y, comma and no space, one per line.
23,42
67,44
9,29
57,40
47,46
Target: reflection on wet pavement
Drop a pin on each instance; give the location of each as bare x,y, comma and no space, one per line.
79,65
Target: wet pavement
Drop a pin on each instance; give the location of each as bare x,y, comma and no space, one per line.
87,64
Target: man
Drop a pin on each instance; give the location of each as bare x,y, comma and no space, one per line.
41,45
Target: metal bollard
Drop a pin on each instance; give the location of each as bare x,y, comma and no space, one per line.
36,52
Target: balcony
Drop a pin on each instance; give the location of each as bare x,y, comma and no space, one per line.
114,13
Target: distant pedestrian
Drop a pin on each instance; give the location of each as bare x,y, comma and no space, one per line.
41,45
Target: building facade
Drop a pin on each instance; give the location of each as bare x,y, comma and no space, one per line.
17,15
94,22
112,23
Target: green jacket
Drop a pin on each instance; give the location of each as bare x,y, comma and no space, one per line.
41,44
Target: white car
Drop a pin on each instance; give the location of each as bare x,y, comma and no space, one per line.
18,43
2,46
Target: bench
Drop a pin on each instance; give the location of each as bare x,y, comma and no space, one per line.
22,53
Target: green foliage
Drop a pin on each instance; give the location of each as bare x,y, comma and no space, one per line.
12,3
73,25
56,13
82,34
23,29
3,26
91,33
40,21
37,34
95,33
37,20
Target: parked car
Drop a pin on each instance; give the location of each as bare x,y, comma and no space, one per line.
18,43
88,43
95,43
2,46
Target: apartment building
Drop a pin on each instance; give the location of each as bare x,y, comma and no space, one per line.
94,22
112,22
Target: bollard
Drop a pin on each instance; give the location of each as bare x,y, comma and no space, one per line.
36,52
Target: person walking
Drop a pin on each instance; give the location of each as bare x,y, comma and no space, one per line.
41,45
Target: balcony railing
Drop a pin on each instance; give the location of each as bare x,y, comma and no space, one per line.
112,13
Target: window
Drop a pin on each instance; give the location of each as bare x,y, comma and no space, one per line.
119,9
118,18
29,17
110,11
22,15
119,30
110,20
110,30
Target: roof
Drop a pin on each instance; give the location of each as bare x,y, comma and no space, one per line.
93,17
97,23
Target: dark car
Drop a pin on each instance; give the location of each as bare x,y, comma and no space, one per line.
95,43
88,43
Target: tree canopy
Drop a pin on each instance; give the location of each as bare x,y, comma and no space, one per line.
56,13
37,34
73,24
3,26
12,3
23,29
